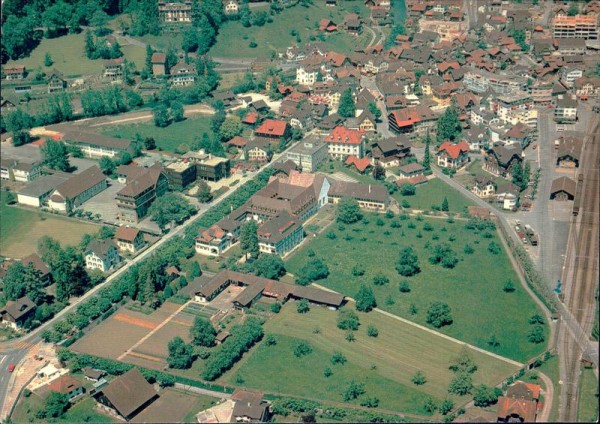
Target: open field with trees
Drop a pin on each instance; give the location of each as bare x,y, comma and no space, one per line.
385,363
20,229
450,259
294,25
168,138
433,194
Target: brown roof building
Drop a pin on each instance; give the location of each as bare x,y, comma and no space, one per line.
15,313
563,188
134,200
77,189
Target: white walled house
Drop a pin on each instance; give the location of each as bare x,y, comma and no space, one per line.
101,255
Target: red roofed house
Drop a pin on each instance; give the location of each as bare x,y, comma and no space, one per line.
213,241
250,118
327,25
67,385
451,155
342,142
520,404
129,239
361,165
272,128
14,72
238,141
416,121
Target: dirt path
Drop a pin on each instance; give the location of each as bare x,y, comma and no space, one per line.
543,417
146,116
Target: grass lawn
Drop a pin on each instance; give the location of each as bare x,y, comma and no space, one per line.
184,132
474,170
202,402
479,306
433,193
587,411
20,229
385,364
163,41
82,411
233,39
69,57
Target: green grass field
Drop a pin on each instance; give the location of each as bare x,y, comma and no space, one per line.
69,57
480,308
587,411
433,193
233,39
184,132
385,364
20,229
82,411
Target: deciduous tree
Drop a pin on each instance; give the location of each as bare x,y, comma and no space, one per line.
202,332
439,315
249,239
181,355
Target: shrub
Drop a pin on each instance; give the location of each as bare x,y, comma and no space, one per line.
494,248
509,287
270,340
347,320
302,349
338,358
380,280
439,315
358,270
372,331
327,372
302,307
536,335
276,307
446,406
404,287
419,378
350,336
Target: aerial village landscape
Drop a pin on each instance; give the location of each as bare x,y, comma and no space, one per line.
218,211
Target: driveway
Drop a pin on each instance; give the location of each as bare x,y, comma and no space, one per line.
104,202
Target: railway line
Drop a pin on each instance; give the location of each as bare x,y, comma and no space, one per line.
581,269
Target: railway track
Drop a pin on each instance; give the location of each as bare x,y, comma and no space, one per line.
583,268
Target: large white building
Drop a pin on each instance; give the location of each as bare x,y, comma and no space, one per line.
342,142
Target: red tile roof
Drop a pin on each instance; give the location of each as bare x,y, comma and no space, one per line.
454,150
126,233
64,384
526,409
238,141
272,127
250,118
345,136
360,164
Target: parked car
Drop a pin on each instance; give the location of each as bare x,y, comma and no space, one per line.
11,367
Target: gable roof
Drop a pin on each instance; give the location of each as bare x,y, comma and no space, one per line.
129,392
142,181
360,164
344,135
526,409
99,247
64,384
564,184
454,150
19,308
272,127
126,233
81,182
37,263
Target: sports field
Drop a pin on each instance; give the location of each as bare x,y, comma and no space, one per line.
385,364
20,229
473,289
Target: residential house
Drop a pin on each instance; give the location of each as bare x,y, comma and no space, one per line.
92,374
302,117
102,255
129,239
66,385
565,111
113,69
159,61
501,159
352,23
563,188
521,134
308,154
507,195
182,74
415,121
279,235
170,12
484,187
327,25
213,241
479,81
44,274
127,395
477,138
78,189
144,186
365,122
15,72
208,166
520,403
389,152
361,165
570,74
15,313
452,155
249,407
258,150
376,64
273,129
587,87
411,170
343,142
231,7
56,82
570,46
6,106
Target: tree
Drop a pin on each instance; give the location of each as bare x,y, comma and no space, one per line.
181,355
19,36
348,211
302,307
463,364
147,71
485,396
444,255
365,299
107,165
445,207
275,308
193,270
448,126
494,248
170,208
438,314
231,127
204,194
202,332
536,319
22,280
347,108
161,115
302,348
149,143
427,153
573,10
249,239
353,391
446,406
536,335
461,384
347,320
378,172
407,189
269,266
56,404
314,270
380,280
374,110
372,331
404,287
21,137
48,60
177,111
56,18
55,155
419,378
338,358
408,263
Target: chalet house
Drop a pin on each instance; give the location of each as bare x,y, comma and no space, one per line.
563,188
16,72
500,159
411,170
102,255
15,313
6,106
476,137
96,146
45,277
302,117
231,7
144,185
129,239
68,386
272,129
56,82
280,234
21,171
415,121
365,122
113,69
249,406
484,187
389,152
352,23
519,134
159,61
451,155
77,190
343,142
92,374
258,150
182,74
213,241
127,395
507,195
327,25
